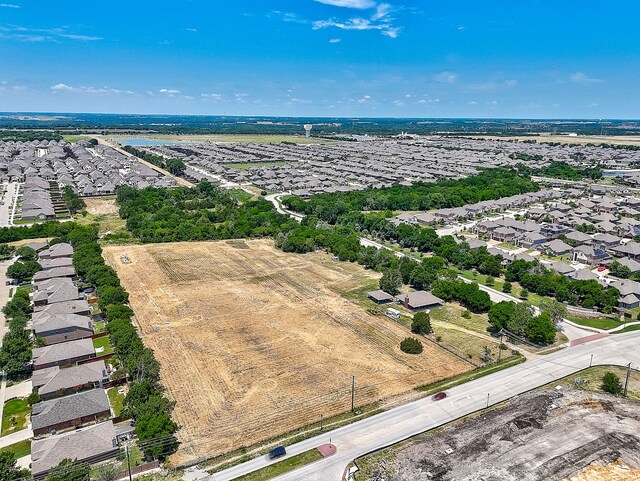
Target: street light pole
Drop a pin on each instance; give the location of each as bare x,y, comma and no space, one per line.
353,393
126,448
488,399
591,360
626,383
500,347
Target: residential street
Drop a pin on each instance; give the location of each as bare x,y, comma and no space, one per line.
405,421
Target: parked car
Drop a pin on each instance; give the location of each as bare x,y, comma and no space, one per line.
277,452
439,396
602,269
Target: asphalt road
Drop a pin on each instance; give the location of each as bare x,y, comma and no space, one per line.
410,419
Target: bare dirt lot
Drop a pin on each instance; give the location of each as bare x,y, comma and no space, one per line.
254,342
540,436
101,205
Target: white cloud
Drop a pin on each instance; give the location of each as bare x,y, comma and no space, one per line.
492,85
191,29
28,34
446,77
359,4
62,87
169,91
335,40
9,5
382,11
584,79
241,98
213,97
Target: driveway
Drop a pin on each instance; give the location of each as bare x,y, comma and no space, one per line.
413,418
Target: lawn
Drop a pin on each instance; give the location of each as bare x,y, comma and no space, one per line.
452,313
597,322
628,329
14,416
19,449
283,466
99,327
241,195
104,343
116,400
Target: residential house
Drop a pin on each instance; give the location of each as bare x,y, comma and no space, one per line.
590,255
73,411
629,293
379,296
79,306
530,240
61,249
54,273
54,290
420,300
577,238
630,249
504,234
54,329
89,445
556,248
54,382
64,353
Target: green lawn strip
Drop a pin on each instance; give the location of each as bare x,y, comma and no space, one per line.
19,449
103,342
99,327
241,195
283,466
454,381
116,400
591,379
14,416
598,323
628,329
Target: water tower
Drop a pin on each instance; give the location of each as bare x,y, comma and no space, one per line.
307,130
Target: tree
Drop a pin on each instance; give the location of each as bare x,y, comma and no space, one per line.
68,470
23,271
507,287
557,310
611,383
486,356
26,253
176,167
6,251
9,470
490,281
618,270
541,329
524,294
500,313
107,472
411,345
421,323
422,277
521,315
391,281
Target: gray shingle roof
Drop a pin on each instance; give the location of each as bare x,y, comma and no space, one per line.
64,409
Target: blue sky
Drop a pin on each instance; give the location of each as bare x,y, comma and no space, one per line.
356,58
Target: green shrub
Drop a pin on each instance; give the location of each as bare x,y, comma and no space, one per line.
611,383
411,345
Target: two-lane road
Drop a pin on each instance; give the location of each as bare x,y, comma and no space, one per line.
400,423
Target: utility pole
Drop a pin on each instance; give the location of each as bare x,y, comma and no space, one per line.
353,393
626,383
488,399
591,360
126,448
321,422
500,347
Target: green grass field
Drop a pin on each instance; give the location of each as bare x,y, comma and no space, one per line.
116,400
283,466
103,342
14,416
18,449
598,322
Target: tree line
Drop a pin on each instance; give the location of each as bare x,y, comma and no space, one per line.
175,166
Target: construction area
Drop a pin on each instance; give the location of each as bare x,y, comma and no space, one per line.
553,434
254,342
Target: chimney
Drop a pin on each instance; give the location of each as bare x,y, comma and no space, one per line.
406,301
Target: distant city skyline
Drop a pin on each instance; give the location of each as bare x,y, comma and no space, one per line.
324,58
